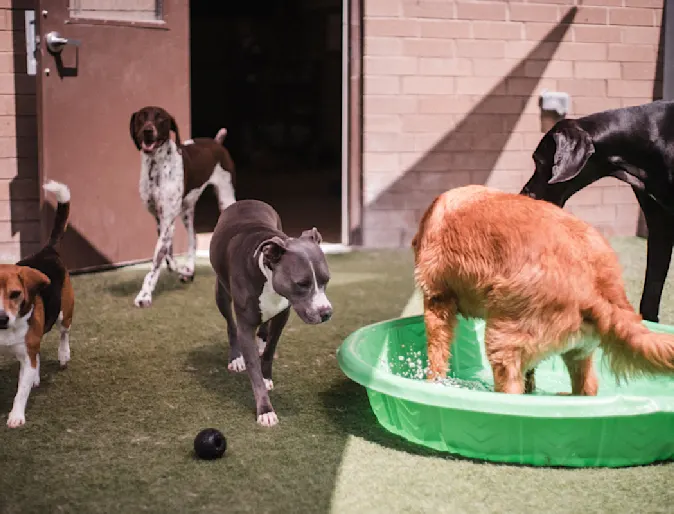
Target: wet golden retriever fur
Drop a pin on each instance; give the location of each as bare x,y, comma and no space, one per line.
540,277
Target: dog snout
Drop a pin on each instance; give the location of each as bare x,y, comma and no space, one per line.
325,314
4,320
148,132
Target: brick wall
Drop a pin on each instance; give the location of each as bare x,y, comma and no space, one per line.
451,97
19,193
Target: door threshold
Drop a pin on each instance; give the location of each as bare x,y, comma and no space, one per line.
204,241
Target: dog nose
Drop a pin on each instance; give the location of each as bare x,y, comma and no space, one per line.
4,319
326,314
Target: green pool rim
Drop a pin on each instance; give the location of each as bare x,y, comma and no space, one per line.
526,406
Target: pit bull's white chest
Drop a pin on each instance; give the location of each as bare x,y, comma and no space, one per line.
162,179
271,303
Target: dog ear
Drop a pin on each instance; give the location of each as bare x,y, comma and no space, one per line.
132,125
573,149
272,250
33,280
313,235
174,128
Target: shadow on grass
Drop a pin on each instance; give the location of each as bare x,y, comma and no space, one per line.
9,382
130,287
210,364
349,408
344,402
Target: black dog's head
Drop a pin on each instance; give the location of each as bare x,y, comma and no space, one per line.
151,127
560,157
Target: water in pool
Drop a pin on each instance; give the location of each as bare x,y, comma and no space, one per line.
413,364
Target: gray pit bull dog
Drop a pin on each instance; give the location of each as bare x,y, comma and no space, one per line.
261,272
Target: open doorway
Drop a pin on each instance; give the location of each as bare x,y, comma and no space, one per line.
271,73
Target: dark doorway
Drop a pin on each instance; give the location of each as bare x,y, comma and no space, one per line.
271,73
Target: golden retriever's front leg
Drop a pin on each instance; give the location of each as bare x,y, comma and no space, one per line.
440,320
507,379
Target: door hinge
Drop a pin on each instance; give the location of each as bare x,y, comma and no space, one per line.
32,41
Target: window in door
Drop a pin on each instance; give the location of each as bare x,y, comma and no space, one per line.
119,10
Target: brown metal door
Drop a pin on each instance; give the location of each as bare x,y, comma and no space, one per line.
130,54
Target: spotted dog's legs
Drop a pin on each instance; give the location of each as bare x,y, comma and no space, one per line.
170,261
166,230
187,271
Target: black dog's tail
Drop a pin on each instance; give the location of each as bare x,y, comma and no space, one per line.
62,210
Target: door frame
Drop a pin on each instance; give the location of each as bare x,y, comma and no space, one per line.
352,122
351,114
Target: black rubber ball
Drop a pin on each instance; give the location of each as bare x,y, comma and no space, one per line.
210,444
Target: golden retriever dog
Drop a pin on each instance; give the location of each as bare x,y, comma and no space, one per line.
541,279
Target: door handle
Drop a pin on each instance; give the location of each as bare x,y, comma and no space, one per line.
56,42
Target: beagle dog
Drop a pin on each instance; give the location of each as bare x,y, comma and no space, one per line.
35,293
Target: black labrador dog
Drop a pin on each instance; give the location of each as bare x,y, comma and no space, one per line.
633,144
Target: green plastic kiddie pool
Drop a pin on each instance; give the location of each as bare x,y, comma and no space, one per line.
624,425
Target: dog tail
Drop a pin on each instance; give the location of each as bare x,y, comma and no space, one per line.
631,348
62,193
220,136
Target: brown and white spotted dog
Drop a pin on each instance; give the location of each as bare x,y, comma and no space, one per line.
35,293
172,178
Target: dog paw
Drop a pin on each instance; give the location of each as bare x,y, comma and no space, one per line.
268,419
269,383
64,357
143,299
186,274
237,365
16,419
36,381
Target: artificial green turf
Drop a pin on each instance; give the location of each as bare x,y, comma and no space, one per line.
114,432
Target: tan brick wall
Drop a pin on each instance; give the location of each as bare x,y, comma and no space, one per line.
19,193
451,97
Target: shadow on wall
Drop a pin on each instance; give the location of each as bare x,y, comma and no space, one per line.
24,188
465,155
27,218
77,252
